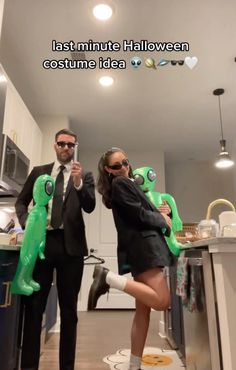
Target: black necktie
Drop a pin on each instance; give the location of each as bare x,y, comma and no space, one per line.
57,203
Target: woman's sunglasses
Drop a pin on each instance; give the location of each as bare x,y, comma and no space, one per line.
164,62
62,144
118,166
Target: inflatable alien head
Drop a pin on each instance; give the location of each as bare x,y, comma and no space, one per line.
145,177
43,190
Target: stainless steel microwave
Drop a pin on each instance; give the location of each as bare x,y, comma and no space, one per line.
14,168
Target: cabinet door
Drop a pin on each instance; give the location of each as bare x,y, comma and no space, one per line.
51,309
13,120
21,127
36,145
9,312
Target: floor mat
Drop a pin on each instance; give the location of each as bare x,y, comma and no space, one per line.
153,359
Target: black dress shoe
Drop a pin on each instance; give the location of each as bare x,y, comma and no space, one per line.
98,287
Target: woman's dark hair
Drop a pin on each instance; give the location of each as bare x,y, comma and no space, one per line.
104,179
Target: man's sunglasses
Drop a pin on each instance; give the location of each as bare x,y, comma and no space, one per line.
118,166
62,144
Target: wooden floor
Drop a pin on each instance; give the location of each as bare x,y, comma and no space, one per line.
100,333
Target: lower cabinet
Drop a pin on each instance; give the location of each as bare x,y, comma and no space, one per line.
50,314
51,309
174,315
9,312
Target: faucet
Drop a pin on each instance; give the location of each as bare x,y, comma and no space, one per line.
216,202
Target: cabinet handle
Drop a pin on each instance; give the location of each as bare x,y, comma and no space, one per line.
195,261
13,175
6,264
8,295
14,136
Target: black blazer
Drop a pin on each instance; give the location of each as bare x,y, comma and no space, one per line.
74,202
139,225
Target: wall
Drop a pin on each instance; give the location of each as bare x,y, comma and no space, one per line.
1,14
195,184
49,125
137,159
234,170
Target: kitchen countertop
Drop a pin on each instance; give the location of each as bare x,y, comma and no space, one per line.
214,244
9,247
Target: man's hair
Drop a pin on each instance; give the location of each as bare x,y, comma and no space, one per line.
65,131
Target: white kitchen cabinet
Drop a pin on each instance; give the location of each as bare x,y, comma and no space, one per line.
21,127
13,116
36,145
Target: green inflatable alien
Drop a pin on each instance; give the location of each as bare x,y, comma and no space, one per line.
34,237
145,177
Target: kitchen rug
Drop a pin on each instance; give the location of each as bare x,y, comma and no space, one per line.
153,359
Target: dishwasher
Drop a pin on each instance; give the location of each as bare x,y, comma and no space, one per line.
200,319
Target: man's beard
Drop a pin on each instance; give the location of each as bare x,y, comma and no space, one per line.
65,159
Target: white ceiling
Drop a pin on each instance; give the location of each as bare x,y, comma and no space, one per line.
171,107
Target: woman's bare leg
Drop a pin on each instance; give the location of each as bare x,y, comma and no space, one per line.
139,328
151,289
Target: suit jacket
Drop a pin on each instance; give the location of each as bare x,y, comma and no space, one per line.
139,225
74,202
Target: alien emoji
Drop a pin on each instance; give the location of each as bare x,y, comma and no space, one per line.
34,237
145,177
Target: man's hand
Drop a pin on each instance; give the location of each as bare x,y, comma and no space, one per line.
76,173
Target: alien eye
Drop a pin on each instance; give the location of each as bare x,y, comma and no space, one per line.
151,175
48,187
139,62
132,62
139,179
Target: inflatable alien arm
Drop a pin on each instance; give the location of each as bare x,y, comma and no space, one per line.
177,224
34,237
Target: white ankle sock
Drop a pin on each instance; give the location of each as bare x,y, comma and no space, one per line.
116,281
134,362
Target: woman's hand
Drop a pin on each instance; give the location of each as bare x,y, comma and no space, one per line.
164,208
167,219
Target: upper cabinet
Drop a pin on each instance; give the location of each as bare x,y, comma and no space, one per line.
21,127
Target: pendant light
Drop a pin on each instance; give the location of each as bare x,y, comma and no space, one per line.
224,160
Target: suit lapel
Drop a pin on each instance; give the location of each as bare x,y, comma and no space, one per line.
47,168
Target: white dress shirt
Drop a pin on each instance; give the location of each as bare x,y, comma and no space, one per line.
66,173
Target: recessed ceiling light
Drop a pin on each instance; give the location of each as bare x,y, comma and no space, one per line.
106,80
102,12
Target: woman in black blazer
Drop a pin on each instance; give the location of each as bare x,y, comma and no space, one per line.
142,249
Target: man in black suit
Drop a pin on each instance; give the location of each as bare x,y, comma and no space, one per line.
65,250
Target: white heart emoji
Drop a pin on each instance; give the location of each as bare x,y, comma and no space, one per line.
191,61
